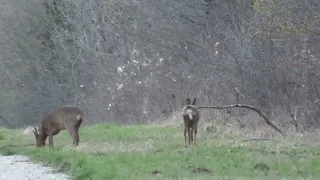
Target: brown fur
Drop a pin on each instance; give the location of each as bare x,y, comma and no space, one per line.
67,117
191,118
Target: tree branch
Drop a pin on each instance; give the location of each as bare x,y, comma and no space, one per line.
266,119
7,122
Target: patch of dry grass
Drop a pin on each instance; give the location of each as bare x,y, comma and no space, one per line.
113,147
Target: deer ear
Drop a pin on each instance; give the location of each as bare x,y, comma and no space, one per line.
35,132
188,101
194,101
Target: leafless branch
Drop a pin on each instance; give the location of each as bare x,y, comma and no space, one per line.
7,122
266,119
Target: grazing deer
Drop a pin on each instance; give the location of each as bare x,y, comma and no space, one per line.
66,117
191,117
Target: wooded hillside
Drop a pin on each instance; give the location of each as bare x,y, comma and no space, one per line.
135,61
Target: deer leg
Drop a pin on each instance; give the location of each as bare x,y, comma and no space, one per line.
194,136
74,132
50,136
188,130
75,136
190,135
194,133
185,135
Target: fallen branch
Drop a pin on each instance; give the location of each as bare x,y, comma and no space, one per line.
253,139
266,119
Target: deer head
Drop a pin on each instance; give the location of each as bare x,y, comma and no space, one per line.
39,135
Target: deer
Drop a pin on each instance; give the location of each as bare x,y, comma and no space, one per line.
65,117
191,116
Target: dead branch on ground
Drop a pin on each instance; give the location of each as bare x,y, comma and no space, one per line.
253,139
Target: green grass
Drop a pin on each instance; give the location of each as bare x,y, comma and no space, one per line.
133,152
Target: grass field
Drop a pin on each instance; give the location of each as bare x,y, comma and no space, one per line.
134,152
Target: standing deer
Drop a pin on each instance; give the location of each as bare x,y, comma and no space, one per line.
191,117
66,117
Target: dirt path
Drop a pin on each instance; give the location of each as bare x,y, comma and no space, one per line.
20,167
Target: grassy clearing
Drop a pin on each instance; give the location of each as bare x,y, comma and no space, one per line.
134,152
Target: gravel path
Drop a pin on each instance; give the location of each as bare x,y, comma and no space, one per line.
20,167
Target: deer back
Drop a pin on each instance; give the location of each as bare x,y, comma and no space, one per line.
63,117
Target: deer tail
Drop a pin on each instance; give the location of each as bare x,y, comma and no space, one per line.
189,111
79,117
